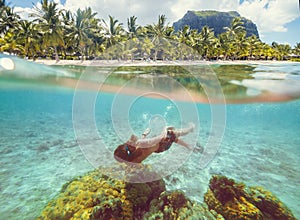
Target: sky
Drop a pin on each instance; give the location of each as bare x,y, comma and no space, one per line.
276,20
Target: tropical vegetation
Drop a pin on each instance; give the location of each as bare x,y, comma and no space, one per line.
60,34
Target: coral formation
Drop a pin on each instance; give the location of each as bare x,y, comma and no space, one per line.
236,201
175,205
97,196
269,204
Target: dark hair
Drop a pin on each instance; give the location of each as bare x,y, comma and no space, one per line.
124,153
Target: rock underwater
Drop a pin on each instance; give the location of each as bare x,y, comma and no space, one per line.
236,201
97,196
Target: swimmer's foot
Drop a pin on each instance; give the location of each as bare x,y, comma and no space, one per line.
198,148
192,126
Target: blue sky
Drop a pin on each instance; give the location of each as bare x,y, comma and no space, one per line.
26,3
277,20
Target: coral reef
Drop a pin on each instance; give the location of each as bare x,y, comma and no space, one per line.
269,204
175,205
236,201
97,196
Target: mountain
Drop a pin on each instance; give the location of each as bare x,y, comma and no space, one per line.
214,19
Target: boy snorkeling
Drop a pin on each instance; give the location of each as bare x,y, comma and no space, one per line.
136,150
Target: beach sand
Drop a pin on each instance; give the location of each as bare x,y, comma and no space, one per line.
154,63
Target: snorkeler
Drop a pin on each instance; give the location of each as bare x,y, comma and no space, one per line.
136,150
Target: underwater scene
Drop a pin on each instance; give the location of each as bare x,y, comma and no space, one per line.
59,124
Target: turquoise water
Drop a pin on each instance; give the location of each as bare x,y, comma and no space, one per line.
39,152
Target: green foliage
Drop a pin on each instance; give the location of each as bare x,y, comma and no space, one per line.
61,34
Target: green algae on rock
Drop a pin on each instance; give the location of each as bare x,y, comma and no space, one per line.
236,201
175,205
96,196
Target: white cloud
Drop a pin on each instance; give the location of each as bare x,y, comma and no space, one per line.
24,12
269,15
146,11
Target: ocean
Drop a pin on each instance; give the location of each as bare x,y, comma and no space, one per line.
53,129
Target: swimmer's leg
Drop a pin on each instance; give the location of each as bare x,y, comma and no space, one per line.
184,144
184,131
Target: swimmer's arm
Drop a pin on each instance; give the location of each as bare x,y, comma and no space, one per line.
185,131
184,144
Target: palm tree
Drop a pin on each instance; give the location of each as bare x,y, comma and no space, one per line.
30,37
2,3
281,50
10,44
68,26
133,28
241,46
266,52
182,38
8,19
183,34
134,35
207,39
195,42
296,49
160,33
236,35
84,30
94,32
113,31
224,48
236,28
254,45
48,18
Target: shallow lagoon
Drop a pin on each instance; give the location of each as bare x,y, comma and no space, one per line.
39,152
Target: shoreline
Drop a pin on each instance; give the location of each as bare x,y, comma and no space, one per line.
156,63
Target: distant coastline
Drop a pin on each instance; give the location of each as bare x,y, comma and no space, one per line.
154,63
66,35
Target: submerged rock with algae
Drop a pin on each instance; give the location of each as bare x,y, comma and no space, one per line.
236,201
97,196
175,205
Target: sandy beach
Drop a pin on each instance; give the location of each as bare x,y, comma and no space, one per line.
154,63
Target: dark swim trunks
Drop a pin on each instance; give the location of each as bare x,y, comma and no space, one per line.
166,142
